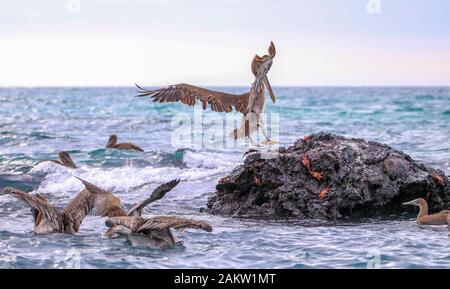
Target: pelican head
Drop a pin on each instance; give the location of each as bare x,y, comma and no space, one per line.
66,159
416,202
116,231
261,65
112,141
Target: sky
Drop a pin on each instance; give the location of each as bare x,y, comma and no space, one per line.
162,42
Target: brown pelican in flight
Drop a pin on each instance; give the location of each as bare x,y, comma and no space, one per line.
250,104
48,219
112,144
441,218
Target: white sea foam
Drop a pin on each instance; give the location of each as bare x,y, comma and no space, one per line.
60,180
209,159
47,167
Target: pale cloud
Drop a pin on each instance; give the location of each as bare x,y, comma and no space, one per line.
212,42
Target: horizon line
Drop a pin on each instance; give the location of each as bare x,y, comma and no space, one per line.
233,86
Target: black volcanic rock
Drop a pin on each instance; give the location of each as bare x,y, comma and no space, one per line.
328,176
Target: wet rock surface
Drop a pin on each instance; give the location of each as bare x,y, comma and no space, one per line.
328,176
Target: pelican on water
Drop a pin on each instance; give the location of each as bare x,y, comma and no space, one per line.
441,218
64,160
154,231
48,219
112,144
250,104
108,205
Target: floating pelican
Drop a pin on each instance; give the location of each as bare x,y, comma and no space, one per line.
154,231
423,218
112,144
105,203
48,219
64,160
250,104
109,205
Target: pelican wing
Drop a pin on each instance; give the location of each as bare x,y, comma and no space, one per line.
50,212
157,194
163,222
128,146
78,208
131,222
93,188
189,94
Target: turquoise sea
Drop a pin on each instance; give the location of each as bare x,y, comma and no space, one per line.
36,123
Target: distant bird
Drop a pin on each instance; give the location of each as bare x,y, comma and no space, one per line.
250,104
441,218
64,160
48,219
109,205
154,231
112,144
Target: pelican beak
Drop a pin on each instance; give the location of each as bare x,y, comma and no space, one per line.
269,89
410,203
272,50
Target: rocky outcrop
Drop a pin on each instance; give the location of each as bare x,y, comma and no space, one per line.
328,176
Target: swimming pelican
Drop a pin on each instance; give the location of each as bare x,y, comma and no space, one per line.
48,219
109,205
64,160
250,104
154,231
112,144
423,218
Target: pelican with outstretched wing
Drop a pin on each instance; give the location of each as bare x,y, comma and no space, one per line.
250,104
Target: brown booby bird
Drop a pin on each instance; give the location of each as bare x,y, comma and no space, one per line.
48,219
423,218
112,144
65,160
250,104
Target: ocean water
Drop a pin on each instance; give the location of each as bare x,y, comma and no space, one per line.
36,123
